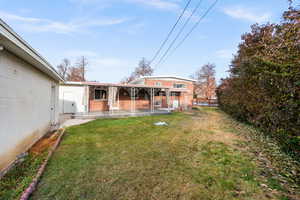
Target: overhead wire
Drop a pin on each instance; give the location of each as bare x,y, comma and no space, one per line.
170,32
180,31
189,33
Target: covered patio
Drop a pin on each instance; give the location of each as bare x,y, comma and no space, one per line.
121,100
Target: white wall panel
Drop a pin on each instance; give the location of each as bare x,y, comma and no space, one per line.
25,106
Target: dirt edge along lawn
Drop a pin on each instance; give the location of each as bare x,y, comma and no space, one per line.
13,184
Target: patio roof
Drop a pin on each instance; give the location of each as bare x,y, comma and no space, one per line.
164,77
115,85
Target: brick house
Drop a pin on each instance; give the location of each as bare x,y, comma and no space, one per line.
95,97
146,94
181,89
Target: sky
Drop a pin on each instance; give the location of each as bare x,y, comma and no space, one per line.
115,34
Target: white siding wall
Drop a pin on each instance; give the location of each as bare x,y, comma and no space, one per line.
25,106
73,99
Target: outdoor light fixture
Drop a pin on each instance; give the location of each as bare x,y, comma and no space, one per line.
1,48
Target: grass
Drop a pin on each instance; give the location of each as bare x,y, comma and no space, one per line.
197,156
18,179
21,175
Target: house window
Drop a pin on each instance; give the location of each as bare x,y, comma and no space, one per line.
100,94
179,85
175,94
158,83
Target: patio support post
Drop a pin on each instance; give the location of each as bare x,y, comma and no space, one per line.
132,102
118,98
168,99
87,99
161,98
152,100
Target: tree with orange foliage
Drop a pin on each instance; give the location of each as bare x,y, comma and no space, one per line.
206,82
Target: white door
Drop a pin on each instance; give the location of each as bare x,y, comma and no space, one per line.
69,104
175,103
53,105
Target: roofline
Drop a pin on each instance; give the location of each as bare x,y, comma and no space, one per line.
14,38
111,85
165,76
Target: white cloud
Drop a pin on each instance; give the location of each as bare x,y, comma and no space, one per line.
94,58
77,53
225,53
158,4
46,25
238,12
134,29
9,16
107,62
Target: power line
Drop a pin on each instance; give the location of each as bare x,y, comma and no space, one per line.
193,28
181,30
171,31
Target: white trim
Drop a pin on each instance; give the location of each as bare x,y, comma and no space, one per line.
112,85
73,83
163,77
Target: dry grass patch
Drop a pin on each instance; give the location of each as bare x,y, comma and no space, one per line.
192,158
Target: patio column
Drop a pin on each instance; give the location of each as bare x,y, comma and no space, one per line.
168,98
112,98
87,98
152,99
132,101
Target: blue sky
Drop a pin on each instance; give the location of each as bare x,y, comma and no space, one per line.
115,34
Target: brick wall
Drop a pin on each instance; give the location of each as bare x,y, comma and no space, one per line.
186,94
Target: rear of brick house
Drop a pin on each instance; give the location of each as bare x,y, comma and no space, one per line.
181,89
146,94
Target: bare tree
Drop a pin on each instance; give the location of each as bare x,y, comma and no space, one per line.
63,68
206,82
75,74
143,69
81,64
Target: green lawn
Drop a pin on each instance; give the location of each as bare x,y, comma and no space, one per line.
198,156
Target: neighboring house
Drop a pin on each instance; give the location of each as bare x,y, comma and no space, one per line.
146,94
28,96
181,89
92,97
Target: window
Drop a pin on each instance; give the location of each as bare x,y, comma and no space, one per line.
175,94
179,85
158,83
160,93
100,94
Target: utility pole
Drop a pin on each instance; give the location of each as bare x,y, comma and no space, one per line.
82,63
